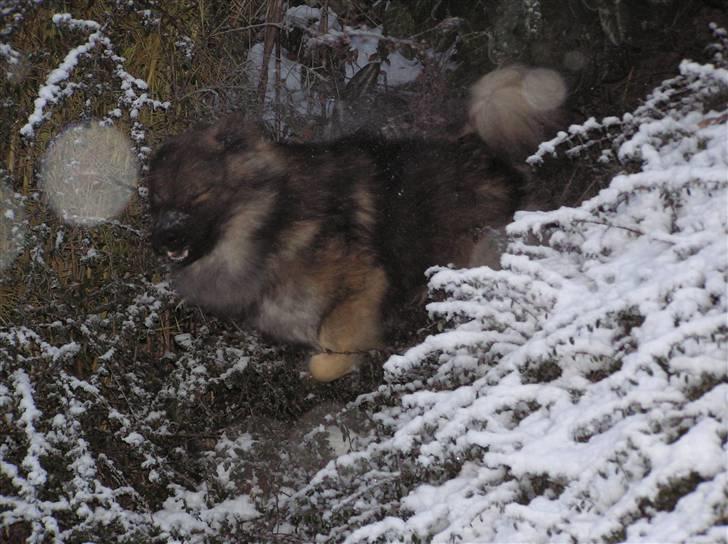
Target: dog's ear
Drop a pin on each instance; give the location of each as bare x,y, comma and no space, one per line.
161,153
230,134
246,151
234,132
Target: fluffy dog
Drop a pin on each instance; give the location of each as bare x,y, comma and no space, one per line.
312,243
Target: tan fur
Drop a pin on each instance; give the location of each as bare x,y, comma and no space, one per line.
298,237
292,309
201,199
365,212
262,158
353,326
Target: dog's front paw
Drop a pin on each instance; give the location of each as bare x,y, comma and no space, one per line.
327,367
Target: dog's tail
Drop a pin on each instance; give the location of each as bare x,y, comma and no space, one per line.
515,108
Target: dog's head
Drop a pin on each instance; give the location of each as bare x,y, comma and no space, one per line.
197,179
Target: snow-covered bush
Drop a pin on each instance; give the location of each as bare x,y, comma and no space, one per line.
87,454
579,394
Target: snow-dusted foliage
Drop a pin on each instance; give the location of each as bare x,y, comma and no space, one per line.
12,227
65,479
59,84
579,394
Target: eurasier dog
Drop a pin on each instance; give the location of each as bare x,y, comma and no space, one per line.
313,242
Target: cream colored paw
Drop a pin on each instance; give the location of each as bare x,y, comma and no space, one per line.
327,367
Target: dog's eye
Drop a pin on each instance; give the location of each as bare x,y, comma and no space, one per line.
201,197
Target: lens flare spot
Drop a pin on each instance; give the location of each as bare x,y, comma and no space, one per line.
89,173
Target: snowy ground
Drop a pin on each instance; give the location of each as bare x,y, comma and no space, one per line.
577,395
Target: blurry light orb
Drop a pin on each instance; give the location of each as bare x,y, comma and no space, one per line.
12,227
89,173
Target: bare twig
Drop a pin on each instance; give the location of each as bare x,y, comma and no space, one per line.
274,14
266,25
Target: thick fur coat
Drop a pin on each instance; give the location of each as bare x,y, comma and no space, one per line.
313,243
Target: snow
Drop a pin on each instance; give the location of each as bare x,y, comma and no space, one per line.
187,513
134,439
65,19
309,18
292,76
364,42
9,54
397,69
37,445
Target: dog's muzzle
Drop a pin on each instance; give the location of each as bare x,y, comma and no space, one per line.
169,236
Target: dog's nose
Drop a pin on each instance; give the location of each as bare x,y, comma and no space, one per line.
170,230
170,238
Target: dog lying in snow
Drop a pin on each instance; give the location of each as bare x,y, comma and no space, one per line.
313,242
